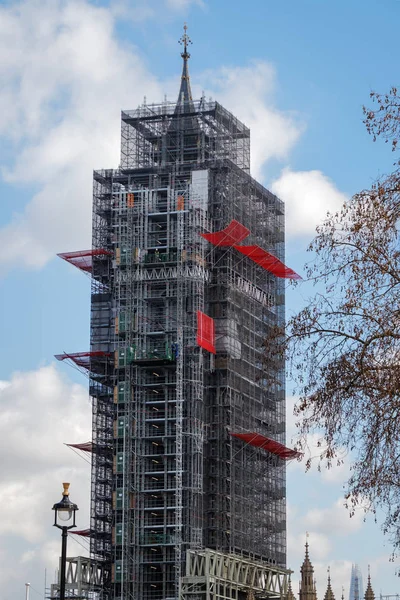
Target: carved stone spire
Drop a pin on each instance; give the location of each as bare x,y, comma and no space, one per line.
369,594
290,595
307,584
329,595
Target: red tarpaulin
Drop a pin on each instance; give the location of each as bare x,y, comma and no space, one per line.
82,532
260,441
83,258
205,332
82,359
234,233
267,261
85,446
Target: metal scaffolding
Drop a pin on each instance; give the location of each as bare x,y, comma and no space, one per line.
157,285
179,479
169,480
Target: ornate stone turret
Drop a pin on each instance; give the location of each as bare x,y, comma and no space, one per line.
329,595
369,594
307,584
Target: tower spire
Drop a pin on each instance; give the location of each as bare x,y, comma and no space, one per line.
329,595
307,583
290,595
369,594
185,93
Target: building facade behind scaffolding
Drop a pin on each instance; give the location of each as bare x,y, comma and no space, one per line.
185,494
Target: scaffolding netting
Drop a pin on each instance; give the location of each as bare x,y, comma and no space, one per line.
260,441
82,259
234,233
205,332
267,261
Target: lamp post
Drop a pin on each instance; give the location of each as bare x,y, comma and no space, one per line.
64,519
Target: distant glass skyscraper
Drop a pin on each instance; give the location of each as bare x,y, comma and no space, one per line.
356,584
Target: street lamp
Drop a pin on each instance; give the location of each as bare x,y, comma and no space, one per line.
64,519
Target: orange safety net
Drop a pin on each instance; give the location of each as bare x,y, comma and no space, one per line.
267,261
234,233
83,259
180,203
82,359
205,332
260,441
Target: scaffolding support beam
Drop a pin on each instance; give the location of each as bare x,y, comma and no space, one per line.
83,578
212,575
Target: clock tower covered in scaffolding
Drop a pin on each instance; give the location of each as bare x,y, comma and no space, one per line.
188,456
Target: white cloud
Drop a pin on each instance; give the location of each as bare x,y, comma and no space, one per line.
65,78
24,433
340,576
139,11
339,472
248,92
333,520
180,5
39,411
308,196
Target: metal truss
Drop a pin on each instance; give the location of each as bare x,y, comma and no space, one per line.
212,575
84,579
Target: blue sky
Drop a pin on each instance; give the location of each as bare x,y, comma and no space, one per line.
298,74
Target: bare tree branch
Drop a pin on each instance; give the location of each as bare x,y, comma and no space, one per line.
343,348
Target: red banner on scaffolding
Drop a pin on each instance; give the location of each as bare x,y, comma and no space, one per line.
83,259
260,441
84,447
267,261
234,233
82,532
205,332
83,360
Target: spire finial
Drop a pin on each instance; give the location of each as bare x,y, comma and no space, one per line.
185,40
185,94
369,594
